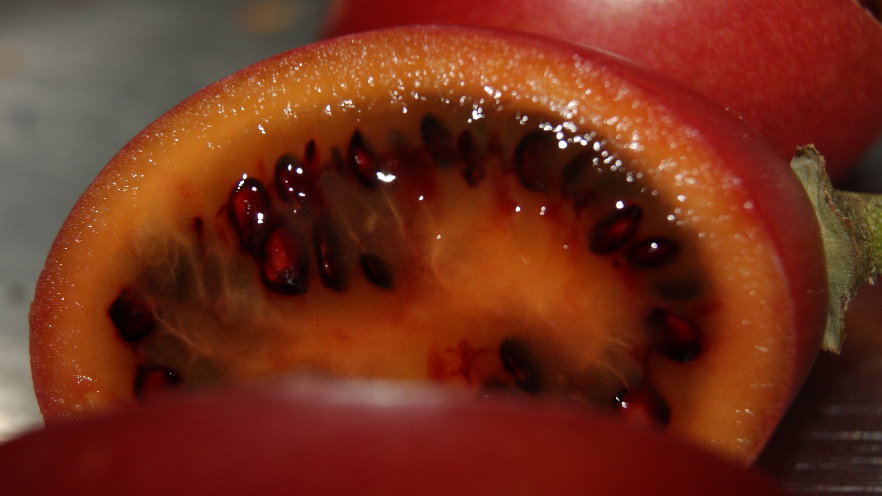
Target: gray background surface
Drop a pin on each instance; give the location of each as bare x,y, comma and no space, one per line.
79,78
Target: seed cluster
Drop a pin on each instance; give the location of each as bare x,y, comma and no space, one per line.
295,235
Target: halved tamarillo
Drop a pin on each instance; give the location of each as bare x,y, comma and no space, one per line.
499,213
369,439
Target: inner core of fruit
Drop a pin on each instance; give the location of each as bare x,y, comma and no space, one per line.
491,250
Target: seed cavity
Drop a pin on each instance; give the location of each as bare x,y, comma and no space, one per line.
519,359
652,252
674,336
376,271
285,262
615,229
131,316
316,217
249,208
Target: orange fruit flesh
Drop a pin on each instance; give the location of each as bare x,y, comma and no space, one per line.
472,265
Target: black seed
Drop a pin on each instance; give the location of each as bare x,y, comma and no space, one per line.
438,140
532,158
284,262
674,336
292,181
328,257
376,271
652,252
152,379
131,316
643,404
361,160
249,208
519,360
473,170
615,230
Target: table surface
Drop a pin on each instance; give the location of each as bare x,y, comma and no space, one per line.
78,78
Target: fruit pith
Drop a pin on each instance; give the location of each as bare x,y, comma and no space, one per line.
489,211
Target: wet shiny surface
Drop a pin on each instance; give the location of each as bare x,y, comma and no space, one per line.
78,78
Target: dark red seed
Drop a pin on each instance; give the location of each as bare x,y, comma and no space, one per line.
376,271
131,316
616,229
361,160
151,379
292,182
519,360
532,159
473,170
643,405
285,262
652,252
249,208
327,257
438,140
674,336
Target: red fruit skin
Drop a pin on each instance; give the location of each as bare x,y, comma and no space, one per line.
806,72
358,439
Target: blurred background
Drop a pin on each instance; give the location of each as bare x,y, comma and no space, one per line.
79,78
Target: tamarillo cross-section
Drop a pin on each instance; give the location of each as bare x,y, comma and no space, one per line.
496,213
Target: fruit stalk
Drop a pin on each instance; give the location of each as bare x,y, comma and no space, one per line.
851,226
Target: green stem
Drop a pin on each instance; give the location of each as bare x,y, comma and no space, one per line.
851,227
864,210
